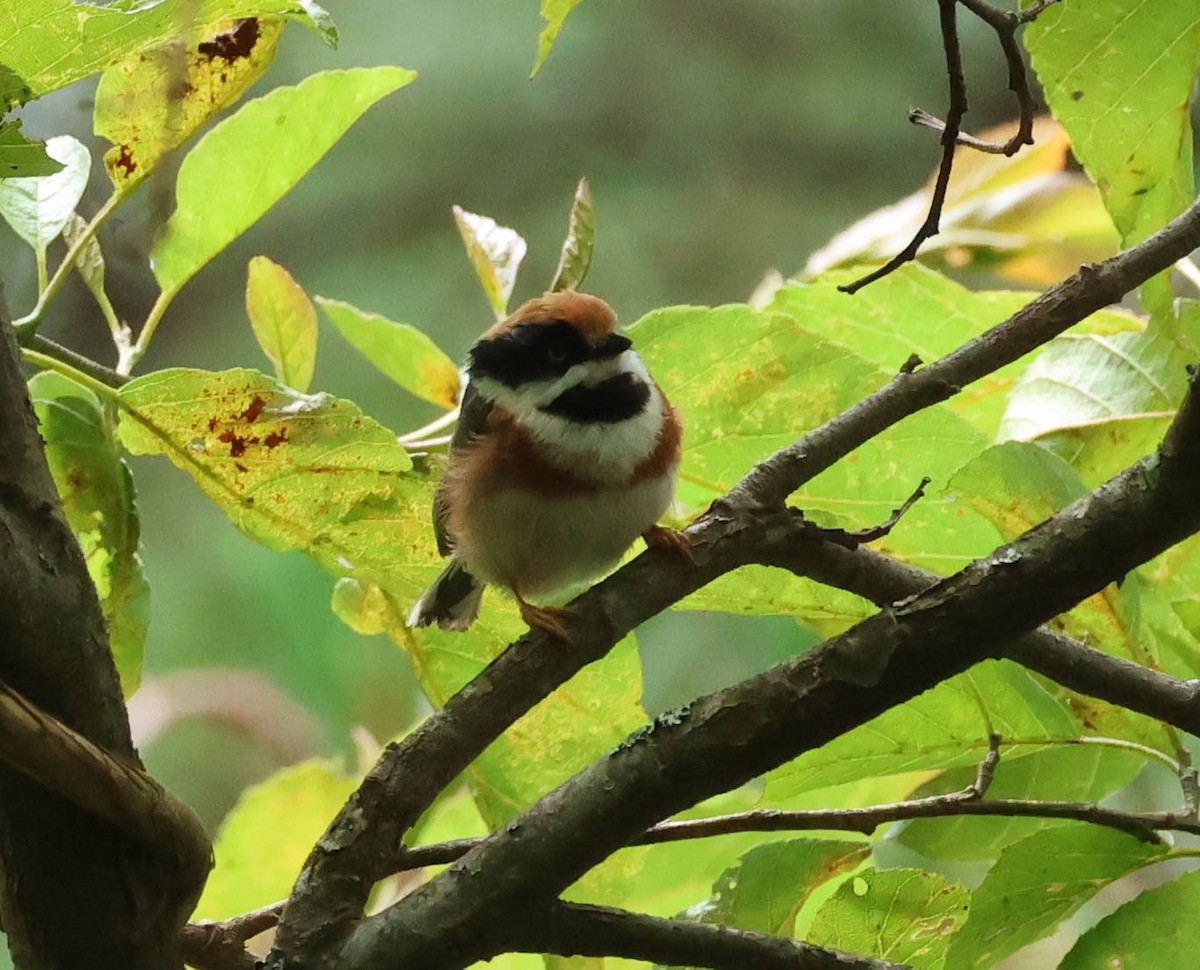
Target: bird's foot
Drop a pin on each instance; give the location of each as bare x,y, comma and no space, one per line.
662,537
548,618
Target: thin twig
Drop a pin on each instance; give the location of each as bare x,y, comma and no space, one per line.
958,106
35,342
221,945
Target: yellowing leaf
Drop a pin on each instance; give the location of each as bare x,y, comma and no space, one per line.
405,354
496,253
294,471
1021,216
268,834
575,258
554,13
152,102
284,321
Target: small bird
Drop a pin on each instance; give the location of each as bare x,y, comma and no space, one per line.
566,451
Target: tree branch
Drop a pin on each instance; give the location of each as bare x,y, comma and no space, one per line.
947,10
577,930
121,793
725,739
330,894
78,891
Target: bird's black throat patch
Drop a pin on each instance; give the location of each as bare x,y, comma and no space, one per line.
617,399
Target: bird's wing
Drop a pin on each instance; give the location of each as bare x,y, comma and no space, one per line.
472,422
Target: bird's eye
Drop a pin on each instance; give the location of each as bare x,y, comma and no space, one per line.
557,353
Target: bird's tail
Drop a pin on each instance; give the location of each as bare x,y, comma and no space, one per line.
452,600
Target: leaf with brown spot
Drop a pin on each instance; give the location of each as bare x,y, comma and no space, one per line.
154,101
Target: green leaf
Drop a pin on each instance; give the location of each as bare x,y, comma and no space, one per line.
405,354
249,161
22,157
1076,773
1038,883
284,321
38,208
575,258
152,102
53,43
293,471
1102,402
907,916
1119,76
1155,930
943,728
554,13
268,834
100,504
918,310
770,883
496,253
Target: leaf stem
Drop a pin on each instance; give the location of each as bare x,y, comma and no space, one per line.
39,253
47,292
106,392
132,355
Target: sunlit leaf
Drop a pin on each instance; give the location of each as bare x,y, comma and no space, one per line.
53,43
99,501
918,310
268,834
1155,929
284,321
153,101
405,354
294,471
554,13
39,208
1021,215
770,883
496,253
1039,882
907,916
249,161
1120,76
575,259
943,728
1102,402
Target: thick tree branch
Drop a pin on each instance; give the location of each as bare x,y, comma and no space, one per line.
331,891
576,930
729,737
119,792
78,891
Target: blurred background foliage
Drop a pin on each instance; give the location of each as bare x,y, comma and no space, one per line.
721,140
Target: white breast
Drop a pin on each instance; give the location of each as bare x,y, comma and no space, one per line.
541,546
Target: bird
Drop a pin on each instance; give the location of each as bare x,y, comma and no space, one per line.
565,452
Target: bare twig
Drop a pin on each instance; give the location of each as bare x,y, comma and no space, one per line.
958,106
222,945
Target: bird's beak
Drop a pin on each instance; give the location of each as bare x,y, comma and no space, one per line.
611,346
